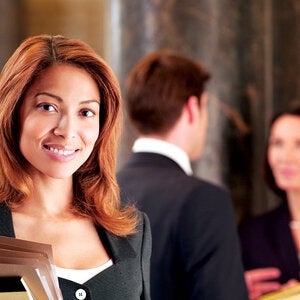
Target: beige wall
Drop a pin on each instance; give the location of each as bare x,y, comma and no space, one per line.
83,19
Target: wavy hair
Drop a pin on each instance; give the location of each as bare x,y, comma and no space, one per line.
96,192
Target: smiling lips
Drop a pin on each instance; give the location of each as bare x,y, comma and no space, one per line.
287,172
60,151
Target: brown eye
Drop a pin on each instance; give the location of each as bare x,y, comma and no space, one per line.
46,107
87,113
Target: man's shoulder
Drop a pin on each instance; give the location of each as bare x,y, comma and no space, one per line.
203,194
206,186
171,178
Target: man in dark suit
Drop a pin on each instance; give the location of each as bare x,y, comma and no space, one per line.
195,251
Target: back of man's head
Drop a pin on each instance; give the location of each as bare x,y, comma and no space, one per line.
158,87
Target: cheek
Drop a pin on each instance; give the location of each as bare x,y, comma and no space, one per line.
36,126
90,135
27,131
271,155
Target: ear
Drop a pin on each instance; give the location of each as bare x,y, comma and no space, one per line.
203,101
192,108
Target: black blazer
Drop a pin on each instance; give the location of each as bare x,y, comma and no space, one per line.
195,252
267,242
127,279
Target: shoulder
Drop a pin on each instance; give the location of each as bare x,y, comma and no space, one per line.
280,212
201,193
130,246
143,234
133,244
4,209
207,205
265,223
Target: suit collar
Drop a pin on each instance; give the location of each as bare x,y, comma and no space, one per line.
151,145
6,223
152,159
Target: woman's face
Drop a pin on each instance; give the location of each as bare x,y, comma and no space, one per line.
284,152
59,120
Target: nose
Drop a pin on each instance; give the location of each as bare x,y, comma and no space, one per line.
65,127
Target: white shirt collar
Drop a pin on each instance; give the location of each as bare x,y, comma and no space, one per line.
164,148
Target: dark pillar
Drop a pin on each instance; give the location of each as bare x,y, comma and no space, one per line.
286,47
10,28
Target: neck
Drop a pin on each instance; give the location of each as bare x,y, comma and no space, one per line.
176,136
50,199
293,199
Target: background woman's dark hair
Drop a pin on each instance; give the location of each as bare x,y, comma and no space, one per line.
294,110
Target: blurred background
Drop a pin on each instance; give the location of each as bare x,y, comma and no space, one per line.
251,47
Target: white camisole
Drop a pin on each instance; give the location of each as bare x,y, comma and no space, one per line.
81,276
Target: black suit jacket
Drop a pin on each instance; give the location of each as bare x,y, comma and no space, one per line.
127,279
267,242
195,252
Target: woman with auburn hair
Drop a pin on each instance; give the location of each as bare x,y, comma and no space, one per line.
60,114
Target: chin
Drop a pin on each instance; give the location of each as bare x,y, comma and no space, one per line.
60,175
288,187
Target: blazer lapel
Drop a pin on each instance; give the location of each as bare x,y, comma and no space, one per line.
119,246
282,237
6,224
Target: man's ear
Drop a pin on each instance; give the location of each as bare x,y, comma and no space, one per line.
192,107
203,101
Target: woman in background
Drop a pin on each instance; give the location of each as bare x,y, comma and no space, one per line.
271,242
60,115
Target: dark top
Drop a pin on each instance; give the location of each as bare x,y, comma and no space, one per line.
267,241
127,279
195,252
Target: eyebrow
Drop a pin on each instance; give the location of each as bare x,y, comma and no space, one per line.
61,100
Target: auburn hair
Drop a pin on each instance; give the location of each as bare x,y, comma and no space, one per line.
96,192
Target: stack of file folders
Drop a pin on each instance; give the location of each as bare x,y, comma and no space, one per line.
27,271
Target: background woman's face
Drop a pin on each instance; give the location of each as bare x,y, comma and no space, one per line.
59,120
284,152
